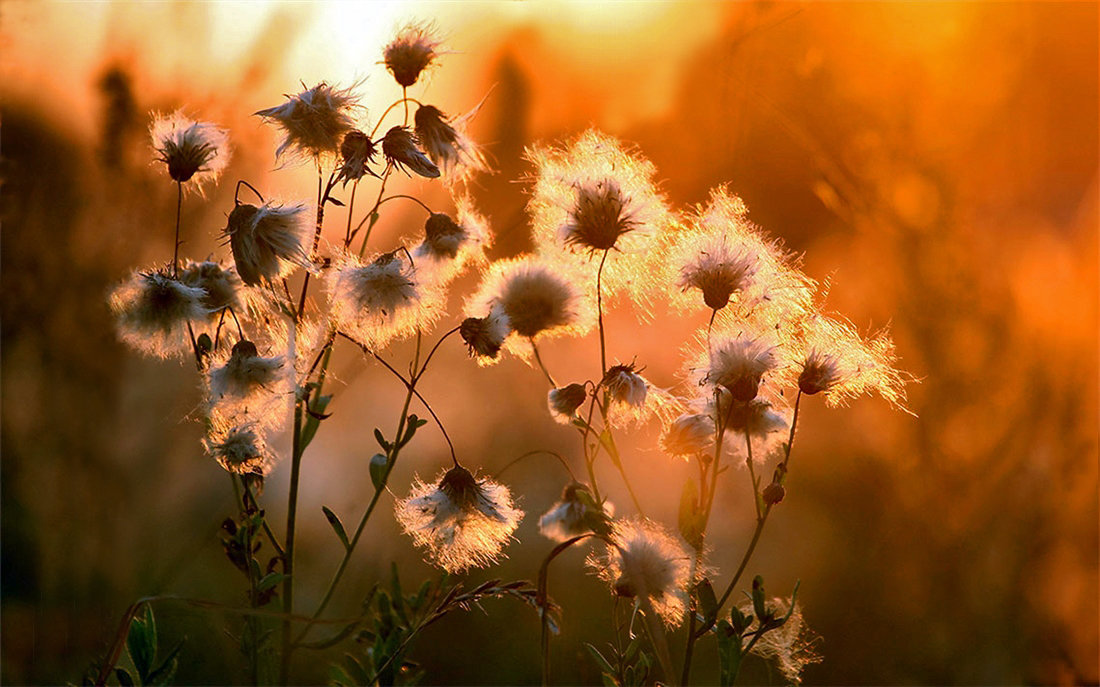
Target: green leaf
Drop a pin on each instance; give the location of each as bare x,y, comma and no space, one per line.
758,599
270,580
141,643
334,639
729,654
600,660
708,603
166,671
337,526
378,436
378,465
336,201
315,413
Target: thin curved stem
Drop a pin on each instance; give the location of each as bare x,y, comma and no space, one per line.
237,193
564,464
404,100
407,197
542,366
542,599
351,212
752,474
373,214
432,353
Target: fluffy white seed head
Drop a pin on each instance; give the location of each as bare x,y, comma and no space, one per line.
267,242
192,151
792,646
835,360
357,153
647,561
574,514
739,362
485,335
249,387
592,195
452,244
689,434
240,449
537,298
383,300
152,311
461,521
314,121
219,282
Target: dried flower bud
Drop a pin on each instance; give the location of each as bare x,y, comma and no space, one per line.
445,143
485,335
773,493
357,151
625,385
240,450
565,400
575,513
739,364
410,53
399,147
153,310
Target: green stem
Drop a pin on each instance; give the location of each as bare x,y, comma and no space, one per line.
288,558
542,366
176,249
599,314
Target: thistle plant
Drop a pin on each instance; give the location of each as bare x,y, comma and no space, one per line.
261,324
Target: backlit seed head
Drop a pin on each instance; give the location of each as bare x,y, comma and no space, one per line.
221,284
574,514
197,151
267,242
645,560
485,335
240,449
314,121
462,521
152,311
598,218
411,52
689,434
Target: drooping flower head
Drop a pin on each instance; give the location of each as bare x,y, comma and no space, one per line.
152,311
451,244
314,121
574,514
192,151
240,449
249,385
564,402
594,195
689,434
837,361
446,142
462,521
220,284
267,242
357,153
647,561
632,398
385,299
537,298
410,53
399,147
485,335
792,646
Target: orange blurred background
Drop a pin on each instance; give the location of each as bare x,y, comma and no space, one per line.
935,162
